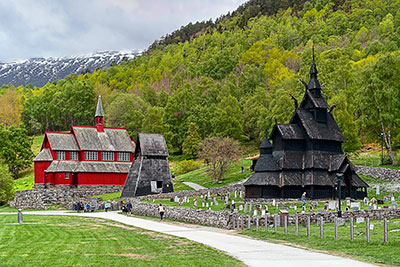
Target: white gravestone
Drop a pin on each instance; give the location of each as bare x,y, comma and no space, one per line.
262,212
273,202
355,205
377,190
360,220
235,194
207,205
202,204
255,213
241,207
332,205
245,207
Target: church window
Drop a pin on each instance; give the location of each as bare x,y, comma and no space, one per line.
66,176
73,155
124,156
91,155
108,156
60,155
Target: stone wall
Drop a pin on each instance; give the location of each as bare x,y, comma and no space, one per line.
39,198
219,219
380,173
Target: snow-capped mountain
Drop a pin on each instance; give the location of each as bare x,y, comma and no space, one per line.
39,71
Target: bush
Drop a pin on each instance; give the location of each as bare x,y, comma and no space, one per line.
187,166
6,185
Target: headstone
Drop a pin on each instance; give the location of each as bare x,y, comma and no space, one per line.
208,194
356,208
245,207
176,199
202,196
251,207
273,202
371,227
233,202
375,206
202,204
255,213
235,194
365,200
392,198
332,205
241,194
207,205
241,207
262,212
266,207
394,204
314,203
354,205
295,207
184,199
20,216
348,202
211,203
360,220
377,190
385,199
340,221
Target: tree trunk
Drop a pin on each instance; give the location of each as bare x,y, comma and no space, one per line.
388,142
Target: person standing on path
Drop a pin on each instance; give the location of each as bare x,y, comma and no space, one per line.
129,208
161,210
303,201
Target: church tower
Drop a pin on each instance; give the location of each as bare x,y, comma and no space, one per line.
99,116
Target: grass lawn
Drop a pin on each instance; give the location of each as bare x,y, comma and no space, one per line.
375,252
72,241
110,196
204,178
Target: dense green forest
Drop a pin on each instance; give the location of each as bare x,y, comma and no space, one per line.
233,77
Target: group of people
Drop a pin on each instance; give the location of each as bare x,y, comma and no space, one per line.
128,209
80,206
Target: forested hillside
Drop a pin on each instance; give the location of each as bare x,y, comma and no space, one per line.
234,76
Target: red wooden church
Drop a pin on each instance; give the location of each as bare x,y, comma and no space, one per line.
88,155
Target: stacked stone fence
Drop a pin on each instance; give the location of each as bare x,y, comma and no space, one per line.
40,198
380,173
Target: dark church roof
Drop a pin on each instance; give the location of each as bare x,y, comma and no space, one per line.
110,140
321,131
288,131
62,141
152,145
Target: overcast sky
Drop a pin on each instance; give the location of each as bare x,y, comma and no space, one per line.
58,28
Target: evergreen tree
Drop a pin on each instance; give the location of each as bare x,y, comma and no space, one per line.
190,146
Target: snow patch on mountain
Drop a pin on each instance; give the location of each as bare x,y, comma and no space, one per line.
39,71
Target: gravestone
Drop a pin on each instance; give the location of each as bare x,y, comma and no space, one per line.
202,204
211,203
355,205
392,198
184,199
262,212
208,194
266,207
314,203
207,205
233,202
375,206
176,199
394,204
255,213
340,221
273,202
360,220
365,200
356,208
241,194
377,190
332,205
235,194
241,207
251,207
371,227
385,199
245,207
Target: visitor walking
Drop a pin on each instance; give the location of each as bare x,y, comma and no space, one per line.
303,201
161,210
129,208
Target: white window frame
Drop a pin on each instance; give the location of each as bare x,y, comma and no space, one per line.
124,156
60,155
91,155
107,156
73,153
66,176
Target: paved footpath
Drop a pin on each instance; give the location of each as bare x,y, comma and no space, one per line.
194,185
250,251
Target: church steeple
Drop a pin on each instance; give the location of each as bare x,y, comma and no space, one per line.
99,116
313,84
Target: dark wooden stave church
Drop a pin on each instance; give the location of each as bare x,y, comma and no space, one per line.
305,155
